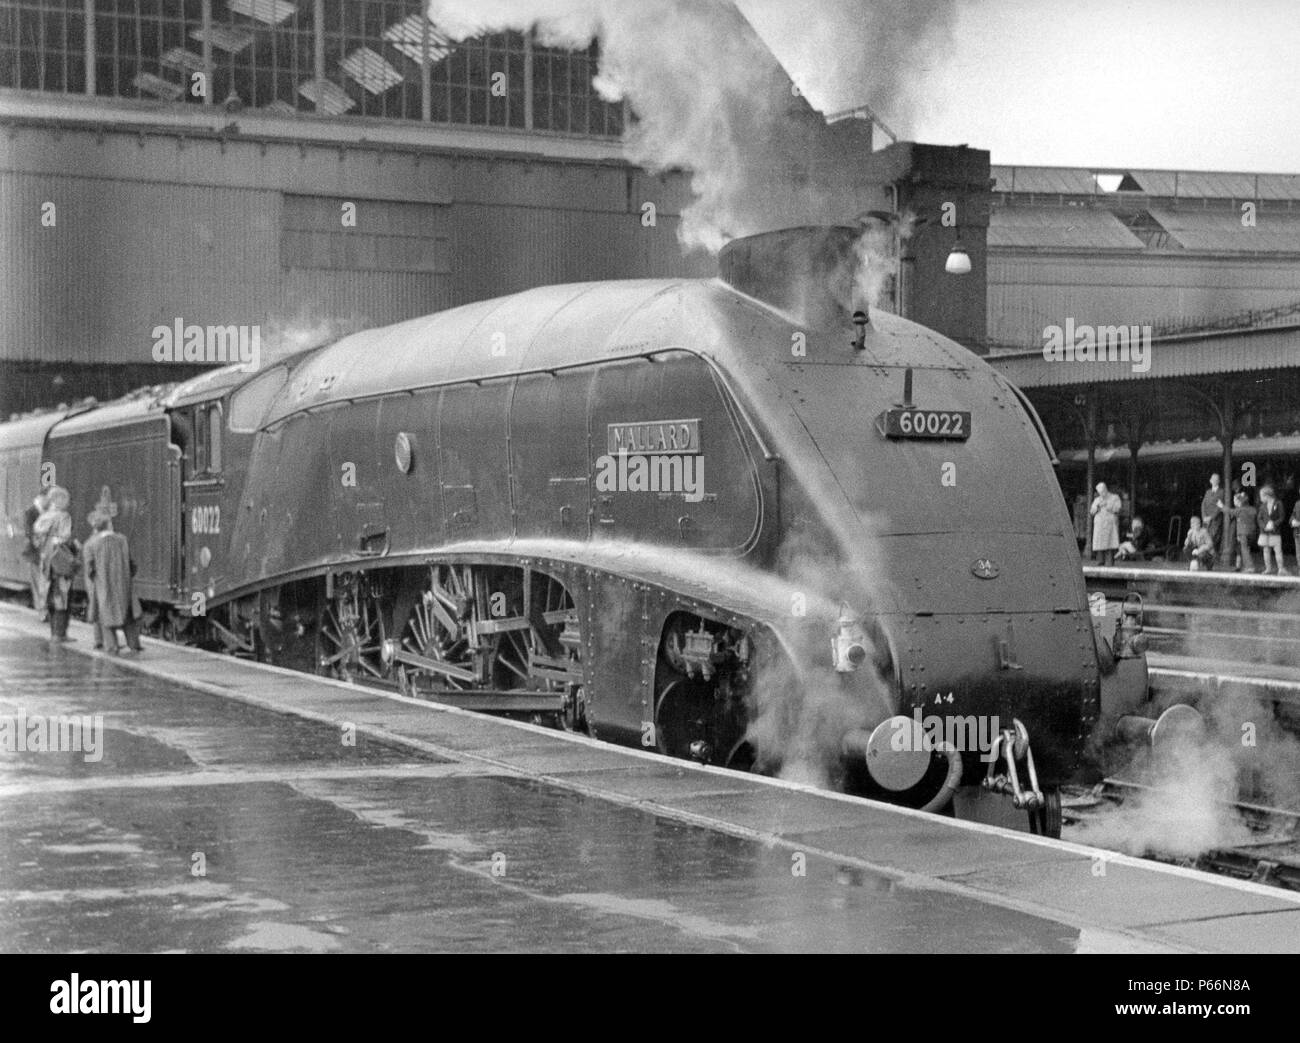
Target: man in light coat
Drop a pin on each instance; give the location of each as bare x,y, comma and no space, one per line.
1105,524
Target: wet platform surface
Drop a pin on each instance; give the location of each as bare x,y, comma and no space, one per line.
331,818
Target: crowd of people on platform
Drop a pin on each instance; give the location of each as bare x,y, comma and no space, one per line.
54,557
1249,526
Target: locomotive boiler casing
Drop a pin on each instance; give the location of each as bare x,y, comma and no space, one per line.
507,407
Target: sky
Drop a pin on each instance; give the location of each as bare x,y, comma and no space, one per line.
1179,84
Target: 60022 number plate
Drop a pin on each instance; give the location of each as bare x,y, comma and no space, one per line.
926,423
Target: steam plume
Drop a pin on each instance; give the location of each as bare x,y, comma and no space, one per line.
709,96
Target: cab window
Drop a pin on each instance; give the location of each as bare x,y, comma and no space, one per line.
207,439
214,438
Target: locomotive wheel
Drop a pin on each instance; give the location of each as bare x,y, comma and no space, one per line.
441,628
742,757
451,623
350,638
1046,821
682,717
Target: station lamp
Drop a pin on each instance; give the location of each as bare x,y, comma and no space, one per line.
958,262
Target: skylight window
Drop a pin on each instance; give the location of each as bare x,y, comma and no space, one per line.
1117,182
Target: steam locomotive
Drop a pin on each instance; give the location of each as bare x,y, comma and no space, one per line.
745,520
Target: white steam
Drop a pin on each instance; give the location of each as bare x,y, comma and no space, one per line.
283,336
1246,755
1186,812
709,96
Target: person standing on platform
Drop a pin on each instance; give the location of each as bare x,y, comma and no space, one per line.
109,571
1243,519
32,553
1214,510
1295,534
1105,524
58,558
1269,517
87,579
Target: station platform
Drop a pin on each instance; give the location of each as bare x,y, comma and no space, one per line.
1212,633
436,829
1179,573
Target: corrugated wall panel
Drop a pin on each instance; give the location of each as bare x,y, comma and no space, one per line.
126,256
317,302
497,250
151,228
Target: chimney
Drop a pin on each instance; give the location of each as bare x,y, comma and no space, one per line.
807,272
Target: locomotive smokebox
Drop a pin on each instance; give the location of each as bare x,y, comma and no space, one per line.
810,273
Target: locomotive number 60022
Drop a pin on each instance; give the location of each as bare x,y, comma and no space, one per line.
206,519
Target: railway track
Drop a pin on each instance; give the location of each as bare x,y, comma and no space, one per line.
1271,856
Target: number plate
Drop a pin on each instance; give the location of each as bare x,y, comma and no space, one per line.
926,423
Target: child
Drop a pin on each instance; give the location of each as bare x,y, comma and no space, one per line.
1269,519
1243,518
1200,545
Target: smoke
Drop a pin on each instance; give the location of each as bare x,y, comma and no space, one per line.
876,254
709,97
1265,755
282,337
1186,811
1245,755
797,721
853,52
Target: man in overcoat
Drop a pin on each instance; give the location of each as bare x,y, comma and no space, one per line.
112,602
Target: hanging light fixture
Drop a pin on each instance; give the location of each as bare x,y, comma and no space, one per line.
958,262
